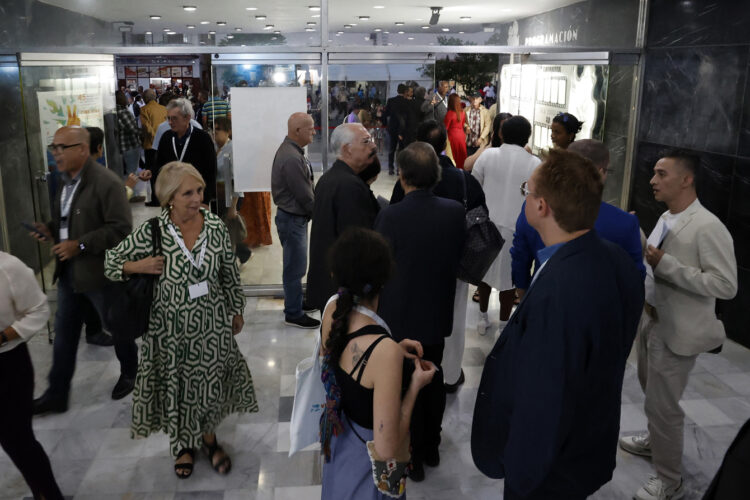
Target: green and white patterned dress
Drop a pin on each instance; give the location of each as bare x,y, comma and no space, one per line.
191,373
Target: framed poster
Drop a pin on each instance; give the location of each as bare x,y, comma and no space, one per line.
130,72
153,71
121,72
176,71
187,71
164,72
142,72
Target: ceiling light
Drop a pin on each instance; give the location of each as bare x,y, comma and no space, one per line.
230,36
347,26
189,8
309,29
171,33
353,24
279,77
364,18
460,32
419,19
260,18
191,26
425,27
237,29
400,32
411,38
378,6
211,32
167,29
377,30
251,8
311,23
277,32
399,23
339,32
205,22
367,38
148,32
221,23
465,18
155,17
315,15
314,8
387,32
274,38
268,27
446,29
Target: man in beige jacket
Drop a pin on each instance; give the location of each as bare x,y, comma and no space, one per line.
690,263
152,115
480,125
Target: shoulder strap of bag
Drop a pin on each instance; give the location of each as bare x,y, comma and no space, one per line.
155,235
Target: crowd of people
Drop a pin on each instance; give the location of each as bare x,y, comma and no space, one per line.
393,312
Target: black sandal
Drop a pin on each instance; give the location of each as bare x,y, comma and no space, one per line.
213,449
178,468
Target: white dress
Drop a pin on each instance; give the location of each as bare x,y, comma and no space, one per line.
501,171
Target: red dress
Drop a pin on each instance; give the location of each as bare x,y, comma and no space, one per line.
454,125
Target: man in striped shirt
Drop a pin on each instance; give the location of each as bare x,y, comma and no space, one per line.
215,107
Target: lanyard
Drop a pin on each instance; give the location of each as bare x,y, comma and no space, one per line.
67,201
187,253
374,316
184,148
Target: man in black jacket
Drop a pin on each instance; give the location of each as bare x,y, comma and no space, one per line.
427,234
188,144
397,111
342,199
90,214
547,414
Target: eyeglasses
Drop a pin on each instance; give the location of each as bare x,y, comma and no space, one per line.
368,140
59,148
525,189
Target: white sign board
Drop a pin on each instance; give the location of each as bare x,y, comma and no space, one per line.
259,125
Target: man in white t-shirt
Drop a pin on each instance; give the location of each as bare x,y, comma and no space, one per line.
690,263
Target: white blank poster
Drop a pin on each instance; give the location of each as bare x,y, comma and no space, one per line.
259,125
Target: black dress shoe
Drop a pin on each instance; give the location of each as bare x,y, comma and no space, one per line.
102,338
49,404
303,321
417,471
432,458
152,204
451,388
308,308
123,387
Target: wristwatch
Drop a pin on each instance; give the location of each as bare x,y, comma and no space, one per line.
82,247
3,338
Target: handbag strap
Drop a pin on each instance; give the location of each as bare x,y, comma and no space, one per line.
155,236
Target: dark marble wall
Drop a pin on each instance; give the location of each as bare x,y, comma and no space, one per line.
616,122
696,95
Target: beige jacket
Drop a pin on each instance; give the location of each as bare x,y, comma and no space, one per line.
698,267
152,115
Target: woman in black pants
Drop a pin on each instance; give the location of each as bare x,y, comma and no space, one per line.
23,311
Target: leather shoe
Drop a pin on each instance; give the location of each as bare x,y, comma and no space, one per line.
432,458
417,471
307,308
102,338
49,404
153,204
451,388
123,387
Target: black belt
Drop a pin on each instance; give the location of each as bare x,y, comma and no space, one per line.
291,213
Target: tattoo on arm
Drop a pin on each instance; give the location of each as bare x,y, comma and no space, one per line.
356,353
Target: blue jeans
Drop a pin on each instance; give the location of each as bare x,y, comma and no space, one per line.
292,231
132,159
68,323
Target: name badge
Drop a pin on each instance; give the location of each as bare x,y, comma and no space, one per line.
198,290
63,233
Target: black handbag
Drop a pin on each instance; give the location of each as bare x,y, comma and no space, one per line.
130,310
483,243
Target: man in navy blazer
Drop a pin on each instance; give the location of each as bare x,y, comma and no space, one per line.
611,224
427,234
547,413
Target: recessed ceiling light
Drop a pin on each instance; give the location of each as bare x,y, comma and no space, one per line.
309,29
353,24
347,26
314,7
419,19
171,33
237,29
465,18
425,27
274,38
507,10
277,32
378,6
221,23
367,38
400,32
387,32
311,23
191,26
399,23
189,8
411,38
339,32
315,15
148,32
205,22
268,27
446,29
251,8
460,32
211,32
167,29
230,36
155,17
377,30
364,18
260,18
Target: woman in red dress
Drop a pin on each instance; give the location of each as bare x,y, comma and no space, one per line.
455,124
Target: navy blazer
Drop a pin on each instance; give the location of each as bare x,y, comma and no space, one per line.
427,235
547,415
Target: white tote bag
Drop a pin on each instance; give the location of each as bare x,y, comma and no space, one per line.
309,401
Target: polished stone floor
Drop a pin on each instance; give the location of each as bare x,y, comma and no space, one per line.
93,456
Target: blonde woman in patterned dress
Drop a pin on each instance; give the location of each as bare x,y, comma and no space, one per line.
191,373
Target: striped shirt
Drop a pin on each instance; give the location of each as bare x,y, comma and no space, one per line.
215,107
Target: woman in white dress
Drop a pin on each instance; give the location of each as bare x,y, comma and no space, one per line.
501,171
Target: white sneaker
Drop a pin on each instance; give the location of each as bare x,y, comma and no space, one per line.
654,490
483,323
640,444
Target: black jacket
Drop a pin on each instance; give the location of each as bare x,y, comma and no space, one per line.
427,234
400,117
450,186
342,199
200,153
547,414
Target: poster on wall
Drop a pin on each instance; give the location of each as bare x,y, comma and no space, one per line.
130,72
60,108
187,71
164,72
121,72
142,72
176,71
153,71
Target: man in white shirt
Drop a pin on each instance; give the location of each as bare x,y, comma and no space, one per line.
690,263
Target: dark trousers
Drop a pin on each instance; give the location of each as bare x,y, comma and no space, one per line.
16,435
68,323
427,416
91,318
150,155
543,493
393,143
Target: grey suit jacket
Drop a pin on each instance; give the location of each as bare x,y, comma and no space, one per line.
698,267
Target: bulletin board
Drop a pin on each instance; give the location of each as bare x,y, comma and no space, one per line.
259,125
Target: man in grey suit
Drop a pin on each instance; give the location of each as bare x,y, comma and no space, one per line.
439,103
691,263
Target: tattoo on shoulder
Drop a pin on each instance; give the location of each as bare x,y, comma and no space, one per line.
356,353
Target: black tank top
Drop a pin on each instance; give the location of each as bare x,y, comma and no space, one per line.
356,400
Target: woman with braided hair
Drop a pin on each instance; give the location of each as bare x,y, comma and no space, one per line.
363,370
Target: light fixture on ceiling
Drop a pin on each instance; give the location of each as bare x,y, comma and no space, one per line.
378,6
435,14
310,29
238,29
171,32
277,32
154,17
251,8
353,24
400,32
260,18
339,32
311,23
446,29
211,32
221,23
377,30
460,32
465,18
205,22
347,26
425,27
230,36
189,8
315,15
314,8
167,29
364,18
399,23
148,33
410,38
268,27
190,26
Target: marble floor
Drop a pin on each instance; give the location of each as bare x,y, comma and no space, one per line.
93,456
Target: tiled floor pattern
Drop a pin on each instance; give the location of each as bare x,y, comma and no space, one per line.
94,458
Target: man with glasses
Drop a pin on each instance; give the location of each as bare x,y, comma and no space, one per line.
547,413
90,214
342,199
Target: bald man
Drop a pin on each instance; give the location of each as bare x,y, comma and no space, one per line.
90,214
292,191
